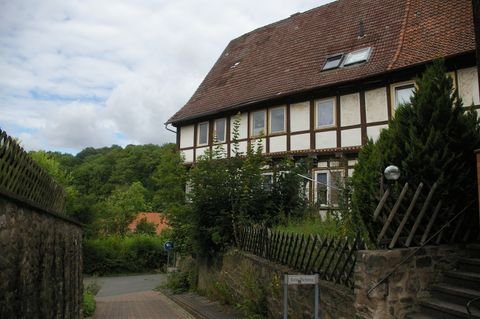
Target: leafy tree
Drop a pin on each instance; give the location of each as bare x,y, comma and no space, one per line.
431,139
60,175
169,179
120,208
146,227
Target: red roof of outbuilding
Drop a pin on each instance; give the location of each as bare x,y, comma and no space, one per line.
158,219
286,57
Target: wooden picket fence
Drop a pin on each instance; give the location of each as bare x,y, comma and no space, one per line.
417,216
332,258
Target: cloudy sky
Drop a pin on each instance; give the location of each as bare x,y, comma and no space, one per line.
78,73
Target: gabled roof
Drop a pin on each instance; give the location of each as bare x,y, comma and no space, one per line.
286,57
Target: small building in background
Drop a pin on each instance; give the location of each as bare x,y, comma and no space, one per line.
158,219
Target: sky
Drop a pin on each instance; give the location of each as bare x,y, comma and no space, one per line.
92,73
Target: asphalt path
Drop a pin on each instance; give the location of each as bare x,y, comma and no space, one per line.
133,297
119,285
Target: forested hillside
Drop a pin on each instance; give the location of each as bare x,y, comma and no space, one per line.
107,186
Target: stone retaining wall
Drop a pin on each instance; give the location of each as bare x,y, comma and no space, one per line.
245,276
409,283
40,263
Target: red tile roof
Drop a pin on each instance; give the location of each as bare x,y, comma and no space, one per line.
287,56
158,219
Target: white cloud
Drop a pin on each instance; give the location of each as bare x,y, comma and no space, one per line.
82,73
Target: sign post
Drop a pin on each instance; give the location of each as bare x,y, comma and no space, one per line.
300,280
168,246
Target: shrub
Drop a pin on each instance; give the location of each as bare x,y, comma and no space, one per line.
89,304
116,254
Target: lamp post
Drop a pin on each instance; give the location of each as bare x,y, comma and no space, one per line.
391,173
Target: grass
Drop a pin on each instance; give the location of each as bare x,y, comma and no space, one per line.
312,226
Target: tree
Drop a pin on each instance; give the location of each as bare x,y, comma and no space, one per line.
431,139
120,208
145,227
60,175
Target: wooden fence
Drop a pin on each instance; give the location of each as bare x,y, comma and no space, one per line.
333,259
22,178
416,216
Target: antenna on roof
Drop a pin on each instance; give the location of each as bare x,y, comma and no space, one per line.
361,31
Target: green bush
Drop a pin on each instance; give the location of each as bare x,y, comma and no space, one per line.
116,254
89,304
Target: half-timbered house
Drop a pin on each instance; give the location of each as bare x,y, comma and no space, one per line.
320,83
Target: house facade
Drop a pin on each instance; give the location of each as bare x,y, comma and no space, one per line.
319,84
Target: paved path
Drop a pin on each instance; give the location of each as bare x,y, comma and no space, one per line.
132,297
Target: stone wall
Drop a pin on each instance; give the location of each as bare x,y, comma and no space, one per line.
409,283
40,263
241,277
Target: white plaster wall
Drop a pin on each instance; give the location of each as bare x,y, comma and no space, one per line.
278,144
300,116
187,155
243,129
376,105
351,137
300,142
321,165
350,109
187,136
373,132
326,139
242,148
468,86
350,172
200,151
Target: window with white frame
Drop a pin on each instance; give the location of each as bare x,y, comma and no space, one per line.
277,120
203,133
325,110
403,93
258,123
327,187
219,129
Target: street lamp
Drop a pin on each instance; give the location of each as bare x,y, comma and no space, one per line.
391,173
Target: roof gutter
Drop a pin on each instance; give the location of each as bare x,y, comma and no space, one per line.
169,129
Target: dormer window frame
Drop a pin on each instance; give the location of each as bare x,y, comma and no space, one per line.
330,59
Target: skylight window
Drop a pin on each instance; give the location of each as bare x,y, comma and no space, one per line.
358,56
333,62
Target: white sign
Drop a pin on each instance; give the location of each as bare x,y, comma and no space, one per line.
302,279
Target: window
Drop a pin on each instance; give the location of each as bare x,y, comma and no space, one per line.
403,94
203,133
333,62
258,123
267,181
358,56
325,113
277,120
327,187
219,130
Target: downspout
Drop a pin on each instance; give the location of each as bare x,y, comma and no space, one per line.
476,29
